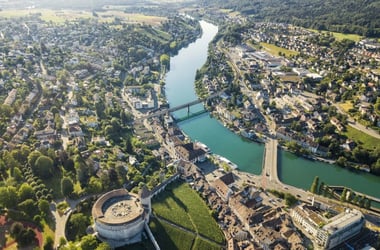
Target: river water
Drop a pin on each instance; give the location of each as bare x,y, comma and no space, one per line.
248,156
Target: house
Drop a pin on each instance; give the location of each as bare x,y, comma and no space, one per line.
75,130
222,186
46,134
190,152
334,121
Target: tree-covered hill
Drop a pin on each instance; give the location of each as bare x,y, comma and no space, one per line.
348,16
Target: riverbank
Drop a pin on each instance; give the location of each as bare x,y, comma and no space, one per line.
292,170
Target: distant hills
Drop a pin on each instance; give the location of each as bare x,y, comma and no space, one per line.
347,16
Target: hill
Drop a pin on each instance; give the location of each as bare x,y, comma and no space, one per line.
350,16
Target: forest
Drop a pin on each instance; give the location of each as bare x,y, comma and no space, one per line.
350,16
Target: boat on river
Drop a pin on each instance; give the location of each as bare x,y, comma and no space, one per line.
204,147
225,160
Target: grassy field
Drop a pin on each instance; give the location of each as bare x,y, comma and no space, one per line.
361,138
201,244
274,50
183,206
171,237
47,15
62,16
170,207
341,36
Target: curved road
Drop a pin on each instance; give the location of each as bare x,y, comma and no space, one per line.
60,221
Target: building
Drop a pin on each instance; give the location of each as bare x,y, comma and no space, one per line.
120,217
190,152
223,185
328,233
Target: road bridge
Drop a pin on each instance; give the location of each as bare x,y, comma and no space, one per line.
269,169
187,105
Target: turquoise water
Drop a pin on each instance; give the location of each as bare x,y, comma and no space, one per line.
248,156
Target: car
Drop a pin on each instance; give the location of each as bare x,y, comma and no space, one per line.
299,196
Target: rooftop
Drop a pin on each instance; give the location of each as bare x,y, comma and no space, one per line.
117,207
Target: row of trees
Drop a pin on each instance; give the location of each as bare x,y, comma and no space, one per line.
347,195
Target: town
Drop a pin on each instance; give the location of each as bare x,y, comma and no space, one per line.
89,148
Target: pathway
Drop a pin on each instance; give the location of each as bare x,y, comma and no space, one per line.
61,220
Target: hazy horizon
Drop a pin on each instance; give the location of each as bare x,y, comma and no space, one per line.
75,4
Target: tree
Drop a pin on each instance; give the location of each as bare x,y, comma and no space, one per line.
367,203
49,243
21,154
290,199
314,185
104,246
17,174
29,207
321,189
32,157
43,206
89,242
82,170
344,195
27,237
43,167
165,61
94,185
67,186
68,165
16,229
341,161
8,197
25,192
77,225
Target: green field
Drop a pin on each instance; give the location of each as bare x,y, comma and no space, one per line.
341,36
170,207
366,141
183,206
202,244
171,237
61,16
275,50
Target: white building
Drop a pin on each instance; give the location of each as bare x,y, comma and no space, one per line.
328,233
120,217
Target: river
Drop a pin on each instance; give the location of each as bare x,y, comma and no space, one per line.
293,170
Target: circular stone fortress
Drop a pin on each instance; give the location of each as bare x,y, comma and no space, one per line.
120,217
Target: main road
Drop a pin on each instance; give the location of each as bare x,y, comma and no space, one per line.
269,174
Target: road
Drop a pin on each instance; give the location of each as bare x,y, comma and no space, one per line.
270,161
61,220
350,120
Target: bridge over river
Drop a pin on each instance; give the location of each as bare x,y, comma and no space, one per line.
187,105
